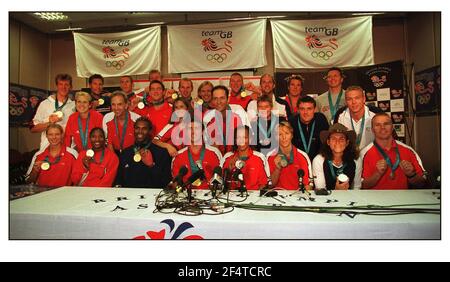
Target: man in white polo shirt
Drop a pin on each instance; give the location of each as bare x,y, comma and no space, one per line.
55,109
357,116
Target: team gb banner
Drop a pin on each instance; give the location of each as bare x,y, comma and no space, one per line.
117,54
219,46
323,43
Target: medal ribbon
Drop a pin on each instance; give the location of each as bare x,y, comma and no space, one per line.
47,159
361,129
339,170
302,135
124,129
57,107
138,148
84,134
387,159
228,122
192,164
333,108
101,157
263,131
291,157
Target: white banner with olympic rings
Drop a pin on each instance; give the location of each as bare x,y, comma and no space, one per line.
116,54
322,43
218,46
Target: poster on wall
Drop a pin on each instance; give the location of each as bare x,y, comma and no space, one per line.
23,102
382,83
427,88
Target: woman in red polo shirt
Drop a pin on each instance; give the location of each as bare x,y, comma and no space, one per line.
96,167
81,123
52,167
243,160
287,161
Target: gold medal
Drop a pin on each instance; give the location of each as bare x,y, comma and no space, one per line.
174,96
45,166
200,102
59,114
137,157
101,101
141,105
244,94
90,153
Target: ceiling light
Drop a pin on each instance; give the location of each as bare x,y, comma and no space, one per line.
69,29
366,14
270,17
52,16
151,23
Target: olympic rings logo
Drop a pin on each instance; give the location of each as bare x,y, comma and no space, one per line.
115,64
424,99
323,55
217,57
16,111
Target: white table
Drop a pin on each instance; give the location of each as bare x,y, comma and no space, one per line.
100,213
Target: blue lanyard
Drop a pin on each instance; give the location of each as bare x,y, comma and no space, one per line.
387,159
138,148
101,157
339,170
361,130
194,167
302,135
267,133
228,115
291,156
84,134
47,159
334,107
57,107
124,129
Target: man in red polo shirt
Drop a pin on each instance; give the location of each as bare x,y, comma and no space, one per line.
221,121
159,111
119,124
238,95
188,156
387,163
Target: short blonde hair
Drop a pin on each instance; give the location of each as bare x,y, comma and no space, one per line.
83,94
287,125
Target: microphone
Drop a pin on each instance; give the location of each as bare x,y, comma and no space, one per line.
239,176
301,174
178,179
216,180
217,176
226,175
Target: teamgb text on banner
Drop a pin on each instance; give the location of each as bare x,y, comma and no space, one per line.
219,46
323,43
116,54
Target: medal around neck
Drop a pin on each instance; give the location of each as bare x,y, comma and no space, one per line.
174,96
137,157
101,101
45,166
90,153
244,94
200,102
59,114
141,105
283,161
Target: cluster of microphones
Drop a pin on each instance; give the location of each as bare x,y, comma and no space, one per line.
221,179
